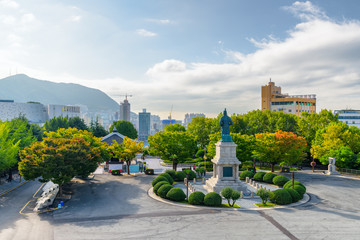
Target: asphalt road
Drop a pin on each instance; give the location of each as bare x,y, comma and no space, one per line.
117,207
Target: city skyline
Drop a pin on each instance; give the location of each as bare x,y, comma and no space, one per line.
200,56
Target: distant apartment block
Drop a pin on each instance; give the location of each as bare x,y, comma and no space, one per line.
55,111
155,124
349,116
144,125
272,99
189,117
34,112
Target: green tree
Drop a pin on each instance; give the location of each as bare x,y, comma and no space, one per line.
125,128
56,123
58,160
8,148
267,149
127,150
345,157
79,123
97,129
21,131
174,146
336,138
94,142
201,128
174,128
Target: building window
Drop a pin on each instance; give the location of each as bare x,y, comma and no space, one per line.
289,110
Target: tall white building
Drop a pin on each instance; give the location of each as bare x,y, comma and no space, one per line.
125,110
34,112
349,116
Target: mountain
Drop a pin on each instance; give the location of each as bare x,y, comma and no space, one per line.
22,88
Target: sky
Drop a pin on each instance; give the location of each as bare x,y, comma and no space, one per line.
199,56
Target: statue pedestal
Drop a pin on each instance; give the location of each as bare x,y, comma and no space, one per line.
226,169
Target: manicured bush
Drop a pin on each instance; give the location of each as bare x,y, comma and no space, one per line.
158,185
212,199
191,173
179,176
196,198
171,172
176,194
280,180
300,189
159,179
163,190
288,184
245,174
168,177
281,197
263,194
269,177
259,176
294,194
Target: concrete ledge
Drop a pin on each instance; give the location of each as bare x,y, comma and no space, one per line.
151,194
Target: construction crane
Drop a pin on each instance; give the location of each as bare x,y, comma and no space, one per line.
126,96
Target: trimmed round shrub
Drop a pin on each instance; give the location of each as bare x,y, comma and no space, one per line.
300,189
281,197
168,177
226,192
245,174
259,176
289,184
280,180
268,177
158,185
176,194
196,198
180,175
163,190
212,199
159,179
191,173
294,194
171,172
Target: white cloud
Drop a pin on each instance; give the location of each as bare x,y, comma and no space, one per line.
75,18
306,11
9,4
320,56
145,33
160,21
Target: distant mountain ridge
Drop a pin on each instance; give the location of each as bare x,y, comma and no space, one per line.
22,88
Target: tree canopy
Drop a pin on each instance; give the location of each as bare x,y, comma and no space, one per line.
97,129
174,146
125,128
174,128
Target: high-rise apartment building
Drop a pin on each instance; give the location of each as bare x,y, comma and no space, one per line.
144,125
349,116
189,117
272,99
125,110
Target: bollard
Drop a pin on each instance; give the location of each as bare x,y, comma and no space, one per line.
194,180
185,181
252,195
247,179
257,186
241,194
203,180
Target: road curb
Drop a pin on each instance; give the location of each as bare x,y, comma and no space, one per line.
151,194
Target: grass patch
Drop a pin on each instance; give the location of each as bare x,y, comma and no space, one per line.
269,204
227,206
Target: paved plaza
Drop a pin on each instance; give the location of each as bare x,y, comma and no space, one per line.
118,207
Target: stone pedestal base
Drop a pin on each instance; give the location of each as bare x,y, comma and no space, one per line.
216,185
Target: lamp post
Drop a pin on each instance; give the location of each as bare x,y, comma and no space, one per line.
187,186
293,179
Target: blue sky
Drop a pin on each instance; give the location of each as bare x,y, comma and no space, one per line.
199,56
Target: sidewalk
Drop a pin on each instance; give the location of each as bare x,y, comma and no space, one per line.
6,186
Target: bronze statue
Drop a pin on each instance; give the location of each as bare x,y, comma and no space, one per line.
225,123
